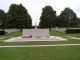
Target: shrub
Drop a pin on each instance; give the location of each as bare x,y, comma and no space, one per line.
73,31
2,32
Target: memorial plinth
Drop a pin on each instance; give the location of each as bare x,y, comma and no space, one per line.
35,33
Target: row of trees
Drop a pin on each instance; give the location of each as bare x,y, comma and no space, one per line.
18,17
67,18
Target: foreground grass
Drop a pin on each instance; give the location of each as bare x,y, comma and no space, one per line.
10,35
41,53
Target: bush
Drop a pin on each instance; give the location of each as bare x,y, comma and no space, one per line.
73,31
2,32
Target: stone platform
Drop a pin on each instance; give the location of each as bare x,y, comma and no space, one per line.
50,38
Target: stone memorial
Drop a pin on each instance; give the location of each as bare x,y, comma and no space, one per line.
28,33
35,35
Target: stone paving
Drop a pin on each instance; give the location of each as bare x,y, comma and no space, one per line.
21,39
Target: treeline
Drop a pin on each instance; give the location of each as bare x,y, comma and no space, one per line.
67,18
18,17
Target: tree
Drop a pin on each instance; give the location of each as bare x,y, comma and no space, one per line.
48,17
58,22
18,17
78,22
68,18
2,18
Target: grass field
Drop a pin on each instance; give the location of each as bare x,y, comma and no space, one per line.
10,35
63,34
41,53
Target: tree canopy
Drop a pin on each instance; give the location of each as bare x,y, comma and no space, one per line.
48,17
68,18
18,17
2,18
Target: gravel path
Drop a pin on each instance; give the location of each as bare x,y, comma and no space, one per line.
40,45
71,37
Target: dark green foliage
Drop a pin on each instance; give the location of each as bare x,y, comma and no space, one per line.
48,17
78,22
72,31
58,22
18,17
68,18
2,18
2,32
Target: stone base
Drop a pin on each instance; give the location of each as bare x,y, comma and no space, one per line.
50,38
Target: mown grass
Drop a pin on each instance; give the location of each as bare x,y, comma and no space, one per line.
63,34
10,35
41,53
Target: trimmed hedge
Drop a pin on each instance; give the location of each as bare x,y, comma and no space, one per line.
73,31
2,32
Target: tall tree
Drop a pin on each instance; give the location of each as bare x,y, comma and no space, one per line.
2,18
68,18
78,22
18,17
58,22
48,17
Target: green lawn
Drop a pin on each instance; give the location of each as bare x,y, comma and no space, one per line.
63,34
10,35
41,53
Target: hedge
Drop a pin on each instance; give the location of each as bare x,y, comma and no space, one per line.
73,31
2,32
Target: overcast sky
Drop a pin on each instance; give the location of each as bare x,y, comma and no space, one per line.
34,7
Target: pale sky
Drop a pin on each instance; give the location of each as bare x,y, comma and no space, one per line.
34,7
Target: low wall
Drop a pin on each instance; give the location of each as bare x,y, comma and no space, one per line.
10,30
62,29
59,29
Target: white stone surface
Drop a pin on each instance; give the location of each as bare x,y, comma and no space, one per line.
59,29
35,32
37,35
71,37
20,39
11,30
